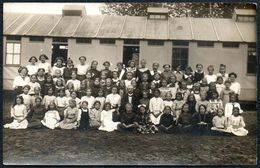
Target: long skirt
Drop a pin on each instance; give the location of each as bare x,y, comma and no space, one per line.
66,124
35,124
61,111
237,131
16,125
49,122
155,120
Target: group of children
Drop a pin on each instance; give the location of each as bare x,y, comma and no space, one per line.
131,98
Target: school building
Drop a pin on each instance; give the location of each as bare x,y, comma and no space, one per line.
155,38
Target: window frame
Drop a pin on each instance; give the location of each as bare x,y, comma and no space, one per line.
179,60
82,42
251,49
107,41
153,43
230,44
6,53
31,40
201,44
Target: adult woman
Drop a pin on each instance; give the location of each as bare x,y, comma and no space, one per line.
93,69
235,86
21,80
43,64
32,67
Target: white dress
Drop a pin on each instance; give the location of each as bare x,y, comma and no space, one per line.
235,86
114,99
90,100
102,101
107,124
19,81
32,69
229,108
47,99
18,112
26,100
156,106
51,119
236,126
46,66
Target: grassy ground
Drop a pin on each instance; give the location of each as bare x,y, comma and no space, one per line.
45,146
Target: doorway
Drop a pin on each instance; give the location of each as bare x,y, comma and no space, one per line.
59,50
129,53
180,57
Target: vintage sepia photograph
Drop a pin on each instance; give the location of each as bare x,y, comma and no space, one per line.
129,83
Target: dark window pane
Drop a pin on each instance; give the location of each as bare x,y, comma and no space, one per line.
83,40
230,45
156,42
205,44
36,39
131,41
251,45
15,38
180,43
59,39
107,41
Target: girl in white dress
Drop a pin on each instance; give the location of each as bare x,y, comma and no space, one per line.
101,98
32,67
19,114
107,123
236,124
114,98
58,65
156,107
48,98
43,64
90,99
219,122
26,97
168,101
51,117
33,84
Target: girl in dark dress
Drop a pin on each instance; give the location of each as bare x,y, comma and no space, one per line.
191,101
36,114
48,84
41,76
185,120
68,70
201,121
166,122
84,118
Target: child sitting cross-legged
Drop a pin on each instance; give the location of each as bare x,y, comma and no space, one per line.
201,121
219,122
167,120
184,121
145,125
51,117
128,120
95,115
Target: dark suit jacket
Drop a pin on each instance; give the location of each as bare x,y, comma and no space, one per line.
135,102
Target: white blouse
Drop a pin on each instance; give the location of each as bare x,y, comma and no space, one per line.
211,78
47,99
54,68
19,111
61,101
46,66
114,99
235,86
76,84
82,69
156,104
19,81
90,101
33,86
32,69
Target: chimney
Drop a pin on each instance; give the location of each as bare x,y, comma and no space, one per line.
244,15
74,10
158,13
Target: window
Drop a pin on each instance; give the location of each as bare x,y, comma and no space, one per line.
205,44
230,45
156,42
154,16
14,38
180,57
60,40
13,53
180,43
36,39
131,41
107,41
83,40
245,18
251,59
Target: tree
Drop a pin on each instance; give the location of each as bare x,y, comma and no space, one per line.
219,10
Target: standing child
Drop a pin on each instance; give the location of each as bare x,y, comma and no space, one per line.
58,76
61,102
155,70
167,120
156,107
202,101
222,72
48,98
101,98
224,94
215,103
188,73
58,65
71,116
75,81
51,117
95,87
196,91
26,97
236,124
178,73
204,87
58,86
219,85
143,70
108,88
145,100
144,82
19,114
33,84
83,116
164,89
43,64
129,78
114,98
143,121
67,72
107,123
82,68
157,80
115,79
178,105
191,101
90,99
132,68
68,89
73,95
95,115
173,86
32,67
184,90
211,77
198,74
168,101
231,105
37,94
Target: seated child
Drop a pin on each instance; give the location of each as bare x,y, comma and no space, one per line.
167,120
36,114
184,121
114,98
48,98
90,99
19,114
201,120
230,106
71,116
83,116
101,98
219,122
51,117
168,100
156,107
61,102
95,115
143,121
164,89
33,84
215,103
178,104
107,123
128,119
236,124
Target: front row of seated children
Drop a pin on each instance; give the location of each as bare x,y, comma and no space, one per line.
110,119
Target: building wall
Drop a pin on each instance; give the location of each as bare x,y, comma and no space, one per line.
96,51
234,58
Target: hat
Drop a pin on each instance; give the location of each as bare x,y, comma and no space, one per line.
43,55
30,60
83,58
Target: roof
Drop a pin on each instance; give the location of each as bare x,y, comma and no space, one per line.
248,12
129,27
